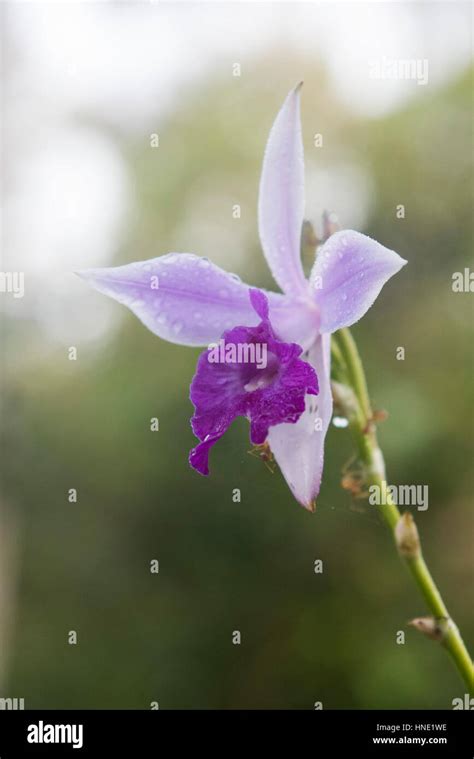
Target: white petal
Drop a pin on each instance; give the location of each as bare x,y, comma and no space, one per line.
299,448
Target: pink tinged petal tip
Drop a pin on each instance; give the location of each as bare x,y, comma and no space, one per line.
349,272
299,448
281,198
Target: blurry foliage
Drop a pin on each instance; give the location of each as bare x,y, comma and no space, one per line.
223,566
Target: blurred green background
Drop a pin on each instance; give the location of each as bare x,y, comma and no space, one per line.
246,566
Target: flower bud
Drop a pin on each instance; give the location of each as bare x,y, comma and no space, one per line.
330,224
406,537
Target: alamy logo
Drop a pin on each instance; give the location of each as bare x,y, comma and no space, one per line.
463,703
400,68
238,353
41,733
12,282
402,495
12,703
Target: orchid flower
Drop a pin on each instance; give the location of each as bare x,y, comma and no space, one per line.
186,299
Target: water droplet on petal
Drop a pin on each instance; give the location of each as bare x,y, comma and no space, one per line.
340,421
173,258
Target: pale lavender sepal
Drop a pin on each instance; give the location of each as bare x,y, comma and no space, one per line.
349,272
299,448
281,198
188,300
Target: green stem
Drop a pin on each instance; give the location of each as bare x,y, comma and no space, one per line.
362,427
355,370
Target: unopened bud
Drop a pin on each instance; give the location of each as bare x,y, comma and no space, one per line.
433,628
309,242
406,536
330,224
